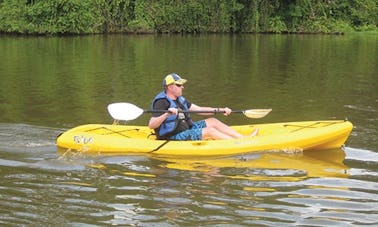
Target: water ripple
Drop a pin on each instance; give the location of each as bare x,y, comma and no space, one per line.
260,189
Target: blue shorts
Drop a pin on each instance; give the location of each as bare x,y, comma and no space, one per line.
195,133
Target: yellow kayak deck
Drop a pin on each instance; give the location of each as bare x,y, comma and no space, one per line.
124,139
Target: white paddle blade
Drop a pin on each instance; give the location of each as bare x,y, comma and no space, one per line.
256,113
124,111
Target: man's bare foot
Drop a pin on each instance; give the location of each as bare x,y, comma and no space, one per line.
254,133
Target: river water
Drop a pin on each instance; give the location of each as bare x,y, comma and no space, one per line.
51,84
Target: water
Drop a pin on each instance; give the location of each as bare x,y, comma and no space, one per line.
52,84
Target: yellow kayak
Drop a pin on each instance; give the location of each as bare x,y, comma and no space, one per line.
127,139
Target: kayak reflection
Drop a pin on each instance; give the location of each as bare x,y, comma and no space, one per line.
289,166
299,165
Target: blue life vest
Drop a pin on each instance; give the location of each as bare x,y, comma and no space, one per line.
171,123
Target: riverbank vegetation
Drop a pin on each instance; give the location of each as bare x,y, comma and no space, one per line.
187,16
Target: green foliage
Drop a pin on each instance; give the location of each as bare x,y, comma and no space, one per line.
61,16
10,12
49,17
186,16
276,25
191,15
364,12
116,14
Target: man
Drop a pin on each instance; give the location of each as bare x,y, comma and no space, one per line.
175,125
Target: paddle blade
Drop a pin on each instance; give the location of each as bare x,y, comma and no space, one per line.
256,113
124,111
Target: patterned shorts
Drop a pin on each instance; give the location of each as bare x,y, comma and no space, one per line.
195,133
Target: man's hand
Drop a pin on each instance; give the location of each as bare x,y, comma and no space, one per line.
173,111
227,111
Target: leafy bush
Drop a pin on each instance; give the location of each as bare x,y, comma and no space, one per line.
62,16
277,25
11,13
189,16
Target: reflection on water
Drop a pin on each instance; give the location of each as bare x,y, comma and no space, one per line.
279,165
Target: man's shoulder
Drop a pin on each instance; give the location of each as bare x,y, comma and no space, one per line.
161,103
186,101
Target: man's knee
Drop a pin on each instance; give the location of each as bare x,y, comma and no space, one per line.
209,131
211,121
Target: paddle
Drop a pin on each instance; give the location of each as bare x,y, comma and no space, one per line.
126,111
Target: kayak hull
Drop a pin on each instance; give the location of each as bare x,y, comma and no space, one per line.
124,139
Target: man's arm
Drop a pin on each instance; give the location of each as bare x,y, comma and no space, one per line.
227,111
155,122
158,118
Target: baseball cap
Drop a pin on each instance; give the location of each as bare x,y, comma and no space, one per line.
173,78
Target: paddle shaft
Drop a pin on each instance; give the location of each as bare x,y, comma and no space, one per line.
193,111
128,111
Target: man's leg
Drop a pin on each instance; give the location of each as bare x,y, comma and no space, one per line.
222,129
212,133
